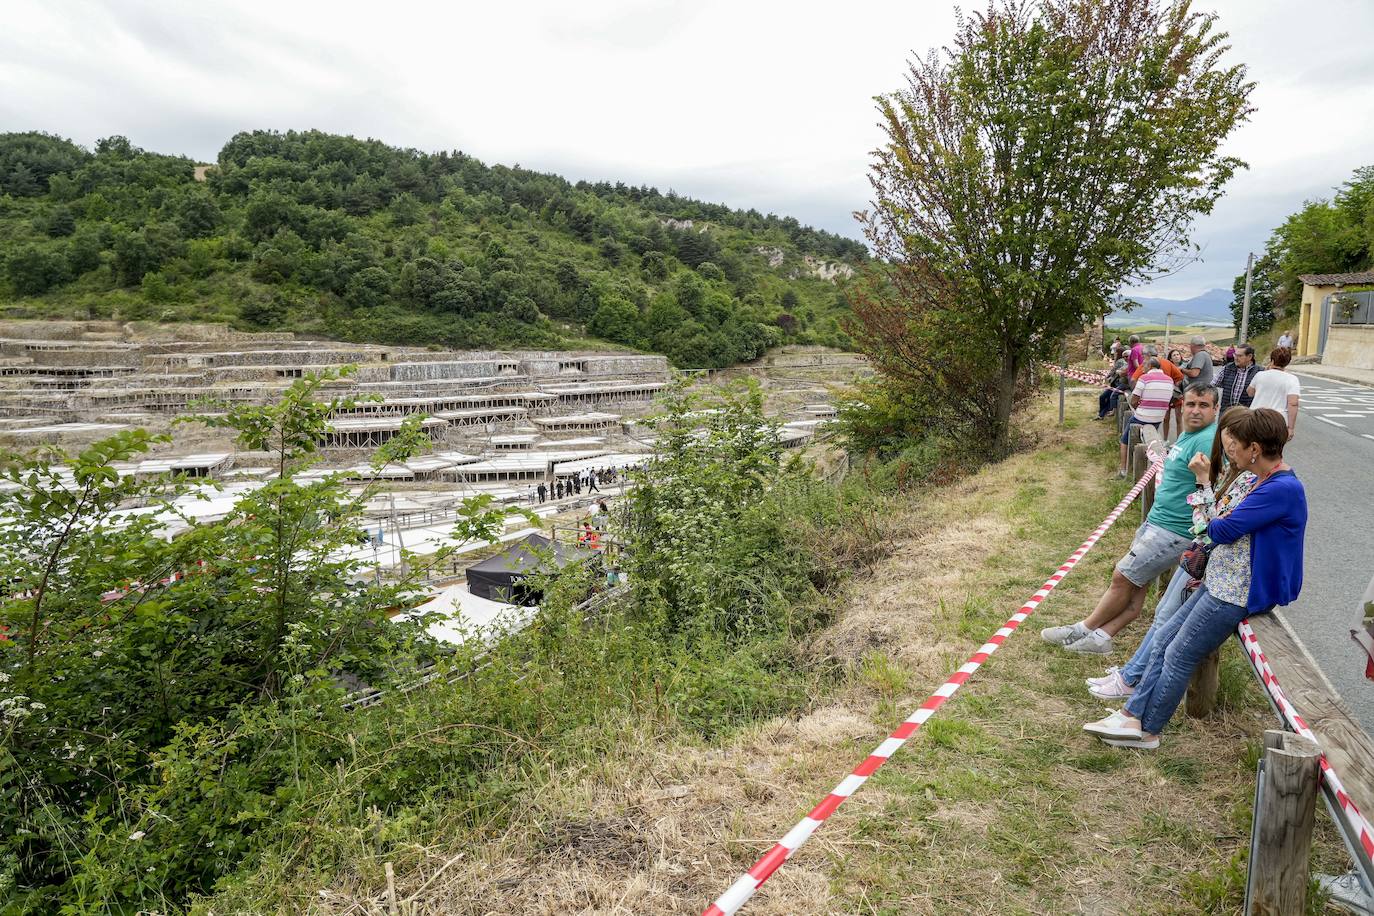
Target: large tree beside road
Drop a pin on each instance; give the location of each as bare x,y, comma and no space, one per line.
1053,152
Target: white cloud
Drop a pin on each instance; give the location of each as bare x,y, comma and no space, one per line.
763,104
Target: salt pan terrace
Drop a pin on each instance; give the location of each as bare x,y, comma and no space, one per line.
89,371
500,422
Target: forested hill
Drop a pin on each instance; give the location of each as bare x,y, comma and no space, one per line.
354,239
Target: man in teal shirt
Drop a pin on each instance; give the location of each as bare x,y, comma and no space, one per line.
1159,541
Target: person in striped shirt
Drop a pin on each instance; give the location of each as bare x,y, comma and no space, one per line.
1154,391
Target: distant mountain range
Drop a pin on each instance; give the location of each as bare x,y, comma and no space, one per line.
1210,308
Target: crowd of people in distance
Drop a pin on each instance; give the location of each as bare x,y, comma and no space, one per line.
1155,386
1229,519
591,481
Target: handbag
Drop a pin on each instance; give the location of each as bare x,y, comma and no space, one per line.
1194,559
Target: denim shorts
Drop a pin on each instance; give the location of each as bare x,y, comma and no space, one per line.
1154,552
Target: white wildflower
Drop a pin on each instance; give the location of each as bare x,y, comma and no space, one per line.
137,835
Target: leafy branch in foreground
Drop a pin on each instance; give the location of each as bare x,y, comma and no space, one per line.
122,644
1055,151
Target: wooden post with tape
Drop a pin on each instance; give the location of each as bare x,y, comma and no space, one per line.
1281,832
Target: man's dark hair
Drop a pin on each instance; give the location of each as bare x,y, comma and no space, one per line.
1247,350
1207,391
1263,427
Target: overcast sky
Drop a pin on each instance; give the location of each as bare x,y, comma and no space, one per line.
765,105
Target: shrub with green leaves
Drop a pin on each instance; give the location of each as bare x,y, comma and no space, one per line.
180,745
126,651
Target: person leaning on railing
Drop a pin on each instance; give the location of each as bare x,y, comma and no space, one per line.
1220,484
1118,383
1160,540
1256,565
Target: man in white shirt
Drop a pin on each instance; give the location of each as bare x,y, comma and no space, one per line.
1285,341
1277,388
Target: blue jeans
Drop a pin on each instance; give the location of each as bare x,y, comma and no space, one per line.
1126,436
1106,402
1168,605
1201,625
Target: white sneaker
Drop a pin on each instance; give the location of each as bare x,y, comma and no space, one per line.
1106,676
1144,744
1062,636
1090,644
1115,725
1113,688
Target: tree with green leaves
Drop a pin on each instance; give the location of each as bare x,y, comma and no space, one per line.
1264,295
1323,237
1055,151
122,649
34,269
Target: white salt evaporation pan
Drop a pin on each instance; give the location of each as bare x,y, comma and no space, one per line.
465,616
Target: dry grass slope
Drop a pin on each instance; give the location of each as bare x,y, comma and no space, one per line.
999,805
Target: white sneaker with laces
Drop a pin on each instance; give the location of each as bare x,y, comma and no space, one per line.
1115,725
1106,676
1113,688
1062,636
1092,643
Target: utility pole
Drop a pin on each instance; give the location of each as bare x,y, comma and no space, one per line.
1168,326
1245,307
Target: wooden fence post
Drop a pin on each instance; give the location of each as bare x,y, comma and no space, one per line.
1202,689
1147,495
1281,832
1063,366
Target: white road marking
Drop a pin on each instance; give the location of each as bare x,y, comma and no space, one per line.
1332,422
1346,416
1367,435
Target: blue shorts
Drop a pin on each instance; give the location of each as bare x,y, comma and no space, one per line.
1154,552
1126,436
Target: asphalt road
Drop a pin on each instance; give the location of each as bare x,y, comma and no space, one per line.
1333,454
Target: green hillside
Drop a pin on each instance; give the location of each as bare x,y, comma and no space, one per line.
353,239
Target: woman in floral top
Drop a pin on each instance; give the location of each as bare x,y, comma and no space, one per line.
1255,566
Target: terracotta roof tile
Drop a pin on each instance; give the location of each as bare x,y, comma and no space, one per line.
1364,276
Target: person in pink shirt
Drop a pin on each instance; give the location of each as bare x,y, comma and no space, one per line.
1135,357
1150,400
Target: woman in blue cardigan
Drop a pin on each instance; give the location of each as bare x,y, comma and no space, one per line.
1255,565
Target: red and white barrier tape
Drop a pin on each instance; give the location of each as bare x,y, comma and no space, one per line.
739,893
1079,375
1296,722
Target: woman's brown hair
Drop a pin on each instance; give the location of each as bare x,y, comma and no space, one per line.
1263,427
1280,357
1227,423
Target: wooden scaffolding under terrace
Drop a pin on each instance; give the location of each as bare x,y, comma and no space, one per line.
369,432
579,422
615,391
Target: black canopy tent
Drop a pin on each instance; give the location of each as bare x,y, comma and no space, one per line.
501,578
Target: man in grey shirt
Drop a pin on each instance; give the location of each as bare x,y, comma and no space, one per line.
1199,370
